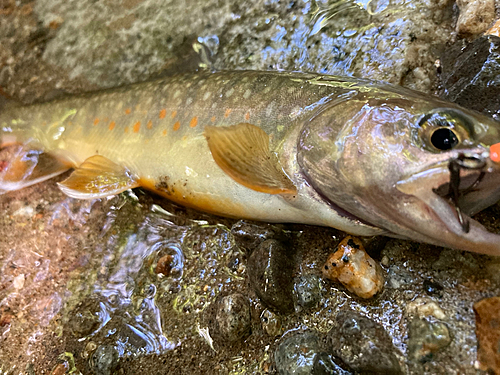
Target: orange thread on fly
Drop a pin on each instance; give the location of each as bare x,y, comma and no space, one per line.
495,153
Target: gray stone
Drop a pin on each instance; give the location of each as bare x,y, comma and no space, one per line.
363,344
270,269
471,74
296,354
233,317
426,338
104,360
307,291
325,365
271,323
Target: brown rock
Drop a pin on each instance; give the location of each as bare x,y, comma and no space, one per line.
164,265
475,16
488,333
354,268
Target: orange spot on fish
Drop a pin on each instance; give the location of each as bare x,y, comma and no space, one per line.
137,127
163,113
126,129
228,112
128,111
44,123
174,113
96,121
149,125
164,133
212,119
112,125
495,153
177,126
247,116
194,122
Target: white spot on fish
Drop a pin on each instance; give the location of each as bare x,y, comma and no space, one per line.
229,93
266,90
189,101
177,93
247,93
207,95
270,109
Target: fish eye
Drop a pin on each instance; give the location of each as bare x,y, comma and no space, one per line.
444,139
444,129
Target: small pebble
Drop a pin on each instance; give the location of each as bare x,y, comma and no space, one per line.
475,16
233,317
424,307
487,313
363,344
164,265
296,354
426,338
84,319
354,269
104,360
271,323
432,288
307,290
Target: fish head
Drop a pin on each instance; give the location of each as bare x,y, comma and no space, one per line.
414,166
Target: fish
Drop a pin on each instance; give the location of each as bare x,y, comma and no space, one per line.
365,157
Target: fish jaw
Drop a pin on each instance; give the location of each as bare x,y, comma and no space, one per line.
448,230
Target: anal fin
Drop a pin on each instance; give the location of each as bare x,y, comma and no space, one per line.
29,166
242,152
97,177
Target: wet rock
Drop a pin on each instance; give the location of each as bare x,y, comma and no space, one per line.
487,313
249,236
424,307
270,270
271,323
471,74
325,365
104,360
432,288
297,353
233,317
363,344
354,268
495,29
475,16
84,319
426,338
307,291
164,265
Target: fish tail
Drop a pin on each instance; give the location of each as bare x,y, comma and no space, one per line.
22,162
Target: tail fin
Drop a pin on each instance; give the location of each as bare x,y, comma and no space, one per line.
25,164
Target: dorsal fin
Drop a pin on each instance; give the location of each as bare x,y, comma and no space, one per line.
97,177
242,151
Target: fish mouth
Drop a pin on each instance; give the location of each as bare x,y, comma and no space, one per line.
453,191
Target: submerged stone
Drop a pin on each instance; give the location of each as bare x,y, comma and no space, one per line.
471,74
307,291
271,323
270,269
325,365
488,333
249,236
296,354
104,360
426,338
233,317
363,345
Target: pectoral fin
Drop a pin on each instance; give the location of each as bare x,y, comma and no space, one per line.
29,166
97,177
242,151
